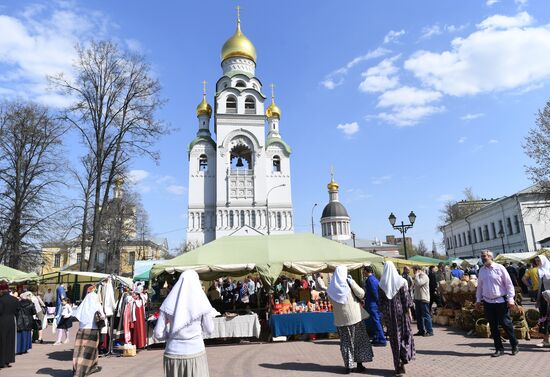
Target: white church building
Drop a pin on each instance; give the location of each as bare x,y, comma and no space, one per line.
239,179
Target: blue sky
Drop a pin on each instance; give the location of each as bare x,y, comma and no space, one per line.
410,101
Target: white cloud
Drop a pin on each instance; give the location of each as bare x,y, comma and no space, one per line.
39,42
433,30
407,116
354,194
407,96
349,129
521,3
137,175
501,55
381,77
380,180
471,116
393,36
445,197
408,105
490,3
493,141
430,31
134,45
498,21
462,140
337,77
176,189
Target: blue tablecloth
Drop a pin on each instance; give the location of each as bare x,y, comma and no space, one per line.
302,323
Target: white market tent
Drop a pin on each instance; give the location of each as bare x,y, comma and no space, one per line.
72,277
516,257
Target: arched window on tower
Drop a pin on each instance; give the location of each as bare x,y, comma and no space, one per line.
276,164
203,163
231,105
231,219
249,105
240,84
253,219
242,218
279,220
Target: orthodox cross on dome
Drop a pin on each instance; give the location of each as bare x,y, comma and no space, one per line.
204,88
238,8
331,172
272,92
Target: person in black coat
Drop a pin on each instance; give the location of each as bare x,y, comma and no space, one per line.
25,321
8,310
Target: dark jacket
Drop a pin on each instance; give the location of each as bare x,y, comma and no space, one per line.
25,313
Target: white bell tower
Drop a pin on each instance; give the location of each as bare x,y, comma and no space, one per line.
247,182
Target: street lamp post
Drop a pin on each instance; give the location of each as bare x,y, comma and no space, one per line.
501,235
312,224
42,265
403,228
267,204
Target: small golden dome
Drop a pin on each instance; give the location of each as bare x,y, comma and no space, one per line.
239,45
204,108
333,186
118,181
273,110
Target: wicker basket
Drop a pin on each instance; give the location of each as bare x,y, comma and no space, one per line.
522,332
129,352
532,316
482,328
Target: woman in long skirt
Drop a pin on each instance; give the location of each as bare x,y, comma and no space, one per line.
85,353
184,316
25,322
346,296
395,304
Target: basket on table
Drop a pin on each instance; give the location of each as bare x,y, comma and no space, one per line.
521,330
482,328
532,316
534,333
468,320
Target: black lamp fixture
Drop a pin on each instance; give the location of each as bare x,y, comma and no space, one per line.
403,228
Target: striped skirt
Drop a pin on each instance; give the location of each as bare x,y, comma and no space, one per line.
186,365
85,352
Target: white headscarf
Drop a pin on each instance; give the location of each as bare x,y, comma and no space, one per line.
544,269
86,310
391,282
186,302
338,289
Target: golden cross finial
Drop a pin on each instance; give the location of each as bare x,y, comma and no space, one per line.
272,92
238,13
204,88
331,172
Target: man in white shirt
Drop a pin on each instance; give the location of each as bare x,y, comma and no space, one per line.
48,298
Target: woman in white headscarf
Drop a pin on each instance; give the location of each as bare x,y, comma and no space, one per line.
395,304
85,354
346,295
543,297
184,316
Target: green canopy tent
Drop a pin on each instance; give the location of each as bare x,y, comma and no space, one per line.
144,276
268,256
423,259
11,275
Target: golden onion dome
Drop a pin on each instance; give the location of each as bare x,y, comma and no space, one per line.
273,111
204,108
333,186
239,45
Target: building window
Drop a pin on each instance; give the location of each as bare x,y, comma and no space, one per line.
455,243
509,225
494,230
516,223
57,260
78,258
276,163
469,237
203,163
475,235
231,105
279,220
242,218
203,225
240,84
486,233
459,240
131,258
500,227
249,105
253,219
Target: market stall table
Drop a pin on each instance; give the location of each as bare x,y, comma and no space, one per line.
302,323
241,326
